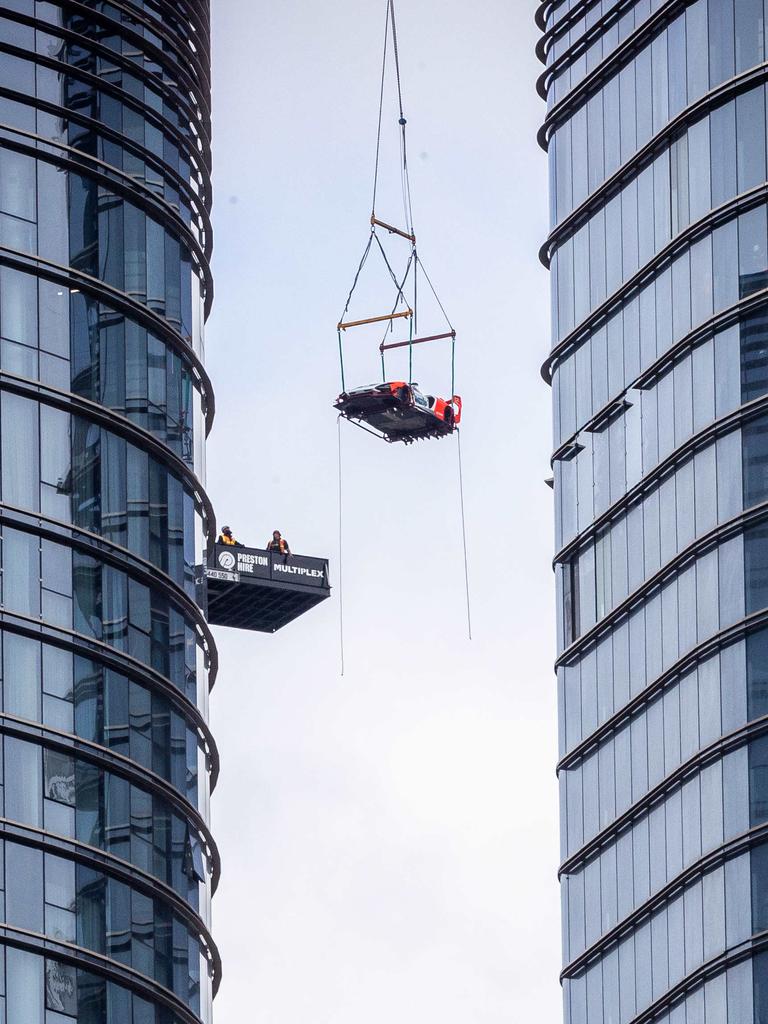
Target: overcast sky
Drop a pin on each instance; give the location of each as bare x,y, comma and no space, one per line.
389,837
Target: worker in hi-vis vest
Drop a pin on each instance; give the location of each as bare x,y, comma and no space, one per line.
278,545
225,537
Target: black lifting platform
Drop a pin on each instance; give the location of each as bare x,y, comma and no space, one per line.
252,589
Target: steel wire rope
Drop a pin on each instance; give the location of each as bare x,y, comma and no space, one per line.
402,122
420,263
381,110
360,266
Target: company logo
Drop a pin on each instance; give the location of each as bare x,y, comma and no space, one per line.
227,560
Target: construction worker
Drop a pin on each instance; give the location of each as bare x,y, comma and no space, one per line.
225,537
278,545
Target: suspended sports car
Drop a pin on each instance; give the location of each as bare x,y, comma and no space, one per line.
399,411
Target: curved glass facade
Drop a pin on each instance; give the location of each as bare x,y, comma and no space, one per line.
656,134
107,864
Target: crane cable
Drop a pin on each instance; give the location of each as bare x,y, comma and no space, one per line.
405,179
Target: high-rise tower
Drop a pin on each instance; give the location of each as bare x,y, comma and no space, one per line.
656,132
106,861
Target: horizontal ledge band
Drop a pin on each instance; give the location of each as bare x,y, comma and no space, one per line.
705,225
106,862
609,66
118,424
701,439
106,88
196,113
198,88
720,321
75,537
86,960
108,760
710,861
714,751
693,656
576,12
711,539
109,657
628,171
121,302
120,184
711,969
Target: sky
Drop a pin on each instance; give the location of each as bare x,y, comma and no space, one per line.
389,837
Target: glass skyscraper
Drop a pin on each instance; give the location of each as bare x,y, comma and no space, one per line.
656,134
106,860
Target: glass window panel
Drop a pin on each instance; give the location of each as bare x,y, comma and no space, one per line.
24,987
749,33
21,676
21,572
23,782
738,914
24,887
18,191
721,41
697,46
57,672
753,263
59,881
740,992
61,988
19,359
753,334
20,452
59,777
677,65
18,306
750,136
57,567
761,984
713,884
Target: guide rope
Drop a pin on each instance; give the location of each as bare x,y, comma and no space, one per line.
464,535
341,577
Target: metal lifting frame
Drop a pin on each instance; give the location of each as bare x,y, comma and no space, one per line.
392,230
375,319
416,341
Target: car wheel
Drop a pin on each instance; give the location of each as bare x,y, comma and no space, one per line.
448,417
403,394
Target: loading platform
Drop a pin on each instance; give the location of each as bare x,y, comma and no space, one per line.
249,588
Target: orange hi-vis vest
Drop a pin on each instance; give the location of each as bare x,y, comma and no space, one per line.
224,539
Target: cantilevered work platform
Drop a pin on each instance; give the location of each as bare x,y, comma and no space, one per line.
252,589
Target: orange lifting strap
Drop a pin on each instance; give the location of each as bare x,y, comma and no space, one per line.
375,319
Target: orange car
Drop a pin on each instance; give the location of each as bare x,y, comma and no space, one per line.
400,412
